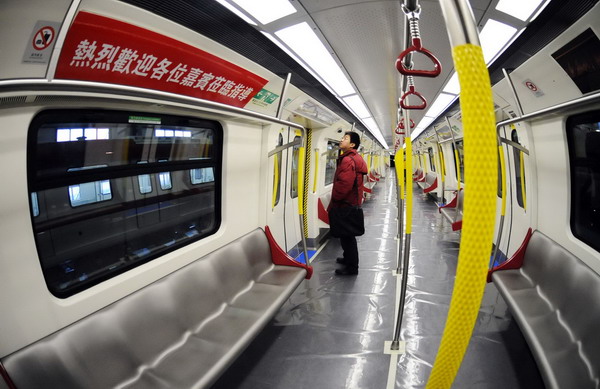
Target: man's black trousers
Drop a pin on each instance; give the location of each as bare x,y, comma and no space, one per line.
350,251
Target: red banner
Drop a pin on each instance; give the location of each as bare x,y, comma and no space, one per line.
102,49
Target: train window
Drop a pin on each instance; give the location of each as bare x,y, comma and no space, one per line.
519,172
164,179
430,155
201,176
89,192
86,169
145,184
35,208
461,159
295,156
331,163
277,172
583,137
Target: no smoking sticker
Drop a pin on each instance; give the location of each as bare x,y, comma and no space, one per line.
43,38
533,88
40,44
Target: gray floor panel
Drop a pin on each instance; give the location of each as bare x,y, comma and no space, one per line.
331,332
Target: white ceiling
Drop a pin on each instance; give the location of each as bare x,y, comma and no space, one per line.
365,37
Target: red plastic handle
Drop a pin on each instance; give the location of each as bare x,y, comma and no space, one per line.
401,125
416,47
412,91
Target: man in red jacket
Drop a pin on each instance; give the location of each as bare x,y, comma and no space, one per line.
347,192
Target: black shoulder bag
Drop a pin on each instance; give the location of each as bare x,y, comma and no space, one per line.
347,221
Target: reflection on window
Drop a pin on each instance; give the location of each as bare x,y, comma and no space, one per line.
86,166
172,133
145,183
201,176
331,164
89,192
295,156
75,134
583,137
35,208
165,180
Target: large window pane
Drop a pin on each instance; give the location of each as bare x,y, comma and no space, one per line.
91,182
90,192
583,136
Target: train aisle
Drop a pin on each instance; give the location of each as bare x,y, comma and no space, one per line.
331,332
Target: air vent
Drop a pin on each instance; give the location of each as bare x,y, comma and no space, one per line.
13,100
50,98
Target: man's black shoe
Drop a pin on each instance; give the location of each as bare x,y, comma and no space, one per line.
346,272
341,260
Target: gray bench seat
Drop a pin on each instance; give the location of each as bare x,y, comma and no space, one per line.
555,299
453,211
181,331
429,183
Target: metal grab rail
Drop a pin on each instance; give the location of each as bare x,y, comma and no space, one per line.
402,65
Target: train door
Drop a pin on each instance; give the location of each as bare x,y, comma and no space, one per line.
515,145
292,220
282,215
277,165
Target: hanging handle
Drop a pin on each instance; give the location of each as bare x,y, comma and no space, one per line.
412,92
417,47
401,125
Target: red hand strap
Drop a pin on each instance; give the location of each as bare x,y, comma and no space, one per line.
416,47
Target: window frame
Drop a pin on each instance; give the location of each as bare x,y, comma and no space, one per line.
57,180
577,215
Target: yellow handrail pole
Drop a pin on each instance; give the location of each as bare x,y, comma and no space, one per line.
395,345
301,156
443,160
480,202
316,170
457,160
409,188
523,191
399,164
301,210
275,180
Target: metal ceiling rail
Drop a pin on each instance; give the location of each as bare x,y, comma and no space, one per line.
35,86
579,103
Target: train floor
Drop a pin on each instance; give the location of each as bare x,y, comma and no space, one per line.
331,332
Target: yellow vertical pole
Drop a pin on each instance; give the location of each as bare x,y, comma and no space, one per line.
523,191
275,180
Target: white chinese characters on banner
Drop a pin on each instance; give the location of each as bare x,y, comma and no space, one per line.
127,61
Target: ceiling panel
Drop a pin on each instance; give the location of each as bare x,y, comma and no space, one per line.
368,36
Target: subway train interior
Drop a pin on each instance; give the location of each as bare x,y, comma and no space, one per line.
168,176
